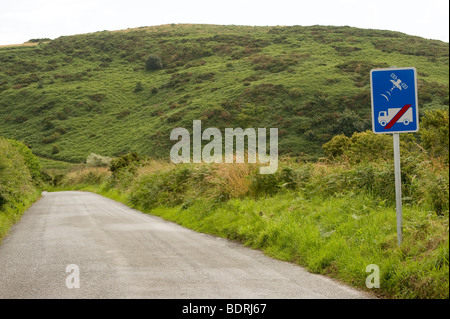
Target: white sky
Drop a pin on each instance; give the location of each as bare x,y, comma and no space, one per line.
21,20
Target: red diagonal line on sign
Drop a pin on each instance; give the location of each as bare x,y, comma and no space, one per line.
397,116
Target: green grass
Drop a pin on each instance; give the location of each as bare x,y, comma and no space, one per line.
48,163
12,214
333,219
75,95
338,237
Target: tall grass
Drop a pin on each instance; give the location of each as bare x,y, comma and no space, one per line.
333,218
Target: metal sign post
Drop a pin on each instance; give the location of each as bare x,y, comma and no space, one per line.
395,110
398,188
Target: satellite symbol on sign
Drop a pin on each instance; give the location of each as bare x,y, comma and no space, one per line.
396,84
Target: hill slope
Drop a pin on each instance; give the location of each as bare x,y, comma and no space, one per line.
90,93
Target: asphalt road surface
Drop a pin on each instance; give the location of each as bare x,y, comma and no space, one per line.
112,251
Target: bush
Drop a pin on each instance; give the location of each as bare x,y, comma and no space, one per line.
336,147
15,177
55,149
274,64
153,62
52,138
438,194
17,187
434,132
98,97
123,169
32,163
96,160
349,122
123,114
433,187
161,188
264,184
20,119
361,147
86,176
138,87
37,40
368,146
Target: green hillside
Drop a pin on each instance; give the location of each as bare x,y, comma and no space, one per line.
75,95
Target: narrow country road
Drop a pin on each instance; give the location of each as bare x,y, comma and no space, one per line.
123,253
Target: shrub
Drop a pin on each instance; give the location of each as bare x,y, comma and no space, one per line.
47,123
124,161
336,147
77,176
433,187
178,79
123,114
15,178
370,146
349,122
138,87
161,188
98,97
96,160
37,40
438,194
52,138
263,184
232,181
288,178
55,149
20,119
153,62
361,147
434,133
274,64
358,70
32,163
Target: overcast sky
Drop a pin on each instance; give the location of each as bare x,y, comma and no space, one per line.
21,20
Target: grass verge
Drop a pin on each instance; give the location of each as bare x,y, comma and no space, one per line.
334,218
336,236
11,215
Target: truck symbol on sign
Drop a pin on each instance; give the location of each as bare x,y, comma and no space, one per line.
384,118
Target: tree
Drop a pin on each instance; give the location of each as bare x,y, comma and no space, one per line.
153,62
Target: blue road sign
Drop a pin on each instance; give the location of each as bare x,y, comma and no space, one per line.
394,100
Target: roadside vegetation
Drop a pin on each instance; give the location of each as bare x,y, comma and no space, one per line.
20,181
335,216
97,111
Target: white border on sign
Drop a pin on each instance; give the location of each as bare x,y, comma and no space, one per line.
416,99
